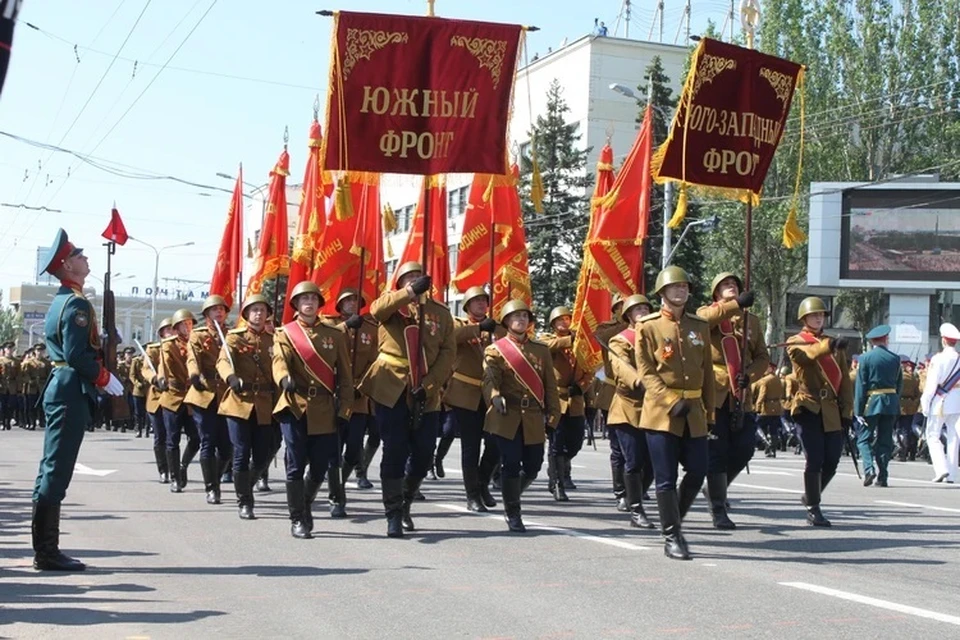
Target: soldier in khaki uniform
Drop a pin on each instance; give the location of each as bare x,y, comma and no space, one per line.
9,376
624,417
173,383
768,403
473,333
909,410
361,334
733,438
203,396
521,395
674,361
150,370
311,364
605,390
567,440
138,393
124,359
245,365
822,403
398,391
30,385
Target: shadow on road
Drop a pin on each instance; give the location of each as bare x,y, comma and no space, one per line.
78,616
260,571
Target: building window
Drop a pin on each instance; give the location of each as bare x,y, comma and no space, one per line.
453,251
390,267
456,202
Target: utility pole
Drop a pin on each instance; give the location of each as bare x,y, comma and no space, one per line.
627,11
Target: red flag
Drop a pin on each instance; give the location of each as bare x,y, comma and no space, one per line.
369,236
230,257
310,221
115,231
273,254
438,264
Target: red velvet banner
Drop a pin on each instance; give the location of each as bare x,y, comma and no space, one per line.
419,95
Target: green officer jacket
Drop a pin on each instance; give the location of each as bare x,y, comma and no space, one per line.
880,373
73,344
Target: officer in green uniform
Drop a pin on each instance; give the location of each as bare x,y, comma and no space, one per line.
877,405
73,343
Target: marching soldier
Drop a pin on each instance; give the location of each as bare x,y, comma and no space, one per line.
150,370
361,334
768,402
68,398
245,365
674,361
733,439
940,403
567,440
30,383
173,383
206,389
406,390
522,399
9,376
123,374
822,403
311,365
625,416
876,401
473,333
909,410
138,393
606,388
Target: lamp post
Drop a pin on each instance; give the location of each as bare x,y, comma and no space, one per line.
708,224
156,274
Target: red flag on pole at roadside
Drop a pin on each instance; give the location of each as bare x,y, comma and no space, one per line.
226,271
115,231
273,254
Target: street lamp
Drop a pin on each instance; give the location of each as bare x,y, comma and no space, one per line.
708,224
156,274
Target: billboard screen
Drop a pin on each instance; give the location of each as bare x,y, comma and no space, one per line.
900,234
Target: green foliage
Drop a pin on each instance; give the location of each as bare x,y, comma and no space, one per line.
862,306
11,323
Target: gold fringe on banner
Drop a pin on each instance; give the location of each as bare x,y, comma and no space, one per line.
343,202
488,192
389,219
681,211
604,202
536,185
793,235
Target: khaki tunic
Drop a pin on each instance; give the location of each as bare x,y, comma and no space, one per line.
138,383
758,358
311,397
9,375
464,388
203,350
123,375
364,342
674,362
790,385
606,387
387,378
567,373
813,392
173,369
627,402
499,379
910,395
252,357
147,373
768,395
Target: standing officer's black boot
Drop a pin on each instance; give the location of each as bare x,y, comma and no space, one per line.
392,489
173,463
410,489
674,546
633,485
717,493
338,495
243,485
46,540
511,504
295,504
211,479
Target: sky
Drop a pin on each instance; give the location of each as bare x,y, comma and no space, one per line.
248,70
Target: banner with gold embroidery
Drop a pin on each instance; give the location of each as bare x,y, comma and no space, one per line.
422,95
273,253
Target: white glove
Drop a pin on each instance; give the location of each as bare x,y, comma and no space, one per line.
114,386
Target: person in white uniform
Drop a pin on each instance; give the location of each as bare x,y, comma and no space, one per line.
940,404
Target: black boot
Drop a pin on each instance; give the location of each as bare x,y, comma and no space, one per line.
189,453
525,481
392,489
471,484
674,546
442,448
263,481
160,455
551,472
512,488
337,495
211,479
619,488
243,484
226,471
717,494
46,541
495,477
559,491
345,470
410,489
633,485
295,504
565,473
687,494
310,490
811,499
488,464
363,482
177,482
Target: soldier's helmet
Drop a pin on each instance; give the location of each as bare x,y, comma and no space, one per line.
512,307
723,276
213,301
633,301
164,324
346,293
181,315
254,299
617,301
474,292
671,275
810,305
408,267
558,312
305,287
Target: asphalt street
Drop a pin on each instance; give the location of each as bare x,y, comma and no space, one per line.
170,566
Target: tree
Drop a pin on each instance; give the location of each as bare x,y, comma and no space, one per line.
864,307
11,323
555,238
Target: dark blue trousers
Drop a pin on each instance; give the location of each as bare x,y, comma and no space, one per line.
616,447
822,449
568,437
140,410
155,420
318,450
472,437
448,424
250,439
668,450
403,443
731,450
351,437
214,436
633,445
515,455
176,423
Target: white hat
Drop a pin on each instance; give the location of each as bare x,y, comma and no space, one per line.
949,331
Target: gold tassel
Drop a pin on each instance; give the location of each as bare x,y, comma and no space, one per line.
681,211
249,249
488,192
793,235
536,187
389,220
343,203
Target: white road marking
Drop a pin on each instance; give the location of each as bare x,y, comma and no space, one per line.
758,486
765,472
875,602
84,470
573,533
917,506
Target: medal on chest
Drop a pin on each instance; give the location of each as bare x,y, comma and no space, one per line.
694,338
366,339
432,323
326,343
666,351
536,362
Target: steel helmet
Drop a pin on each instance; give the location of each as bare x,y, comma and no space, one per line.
558,312
181,315
408,267
305,287
346,293
166,323
474,292
810,305
214,301
671,275
254,299
614,303
723,276
784,371
631,302
512,307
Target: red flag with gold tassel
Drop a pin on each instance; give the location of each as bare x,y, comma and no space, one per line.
310,221
226,271
370,243
438,264
272,259
593,300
